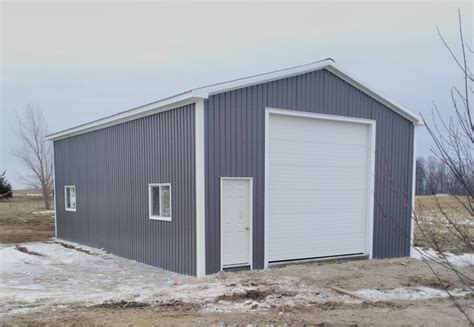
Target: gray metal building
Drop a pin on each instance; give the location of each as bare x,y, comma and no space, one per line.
296,164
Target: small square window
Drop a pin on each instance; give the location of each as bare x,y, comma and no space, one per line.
159,196
70,197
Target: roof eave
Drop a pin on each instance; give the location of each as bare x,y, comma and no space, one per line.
204,92
377,95
139,112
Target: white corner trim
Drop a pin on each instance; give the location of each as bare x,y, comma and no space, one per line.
413,194
54,197
197,94
265,196
371,188
200,189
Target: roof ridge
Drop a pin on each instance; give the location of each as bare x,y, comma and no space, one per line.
203,92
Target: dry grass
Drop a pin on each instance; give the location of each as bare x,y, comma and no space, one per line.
19,224
431,219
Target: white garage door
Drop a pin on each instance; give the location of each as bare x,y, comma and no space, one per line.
318,180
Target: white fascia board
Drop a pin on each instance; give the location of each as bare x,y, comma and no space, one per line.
185,98
146,110
326,64
264,78
378,95
204,92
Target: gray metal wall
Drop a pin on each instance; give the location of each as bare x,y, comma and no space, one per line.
235,141
111,169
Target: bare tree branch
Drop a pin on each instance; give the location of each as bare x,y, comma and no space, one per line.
453,139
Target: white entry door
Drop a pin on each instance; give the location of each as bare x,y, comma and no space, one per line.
236,221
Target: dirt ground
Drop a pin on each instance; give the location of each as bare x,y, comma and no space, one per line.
439,312
24,219
259,288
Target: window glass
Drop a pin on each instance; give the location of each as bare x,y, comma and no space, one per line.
73,197
70,195
155,209
165,201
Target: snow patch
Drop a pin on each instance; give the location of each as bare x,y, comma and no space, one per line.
43,212
78,274
67,273
407,293
465,259
63,275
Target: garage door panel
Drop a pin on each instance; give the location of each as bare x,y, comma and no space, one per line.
298,128
311,233
338,223
345,248
316,188
327,154
317,174
327,157
318,199
310,236
328,212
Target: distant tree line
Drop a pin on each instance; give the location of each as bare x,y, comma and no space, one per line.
433,176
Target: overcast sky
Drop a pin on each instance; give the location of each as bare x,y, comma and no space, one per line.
82,61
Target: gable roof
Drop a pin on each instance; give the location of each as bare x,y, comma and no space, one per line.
204,92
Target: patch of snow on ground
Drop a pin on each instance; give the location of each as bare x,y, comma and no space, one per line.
64,276
43,212
407,293
461,260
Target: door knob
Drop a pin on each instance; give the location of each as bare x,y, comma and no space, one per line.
247,228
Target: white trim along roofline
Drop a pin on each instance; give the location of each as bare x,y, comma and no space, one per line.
201,93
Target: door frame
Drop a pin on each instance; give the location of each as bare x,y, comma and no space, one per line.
370,169
250,179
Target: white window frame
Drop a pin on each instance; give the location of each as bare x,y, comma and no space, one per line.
150,202
65,197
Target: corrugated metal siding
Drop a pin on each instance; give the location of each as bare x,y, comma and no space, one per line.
111,169
235,140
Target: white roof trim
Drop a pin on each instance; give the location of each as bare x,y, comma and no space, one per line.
193,95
